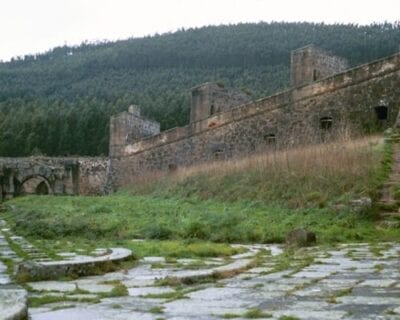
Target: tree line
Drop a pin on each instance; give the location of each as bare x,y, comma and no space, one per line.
59,102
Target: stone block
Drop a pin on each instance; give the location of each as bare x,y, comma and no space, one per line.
300,238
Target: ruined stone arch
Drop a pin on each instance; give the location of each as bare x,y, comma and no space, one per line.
36,184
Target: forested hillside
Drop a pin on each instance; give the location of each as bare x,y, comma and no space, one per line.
59,102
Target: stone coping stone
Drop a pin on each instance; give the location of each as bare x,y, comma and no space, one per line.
48,270
13,303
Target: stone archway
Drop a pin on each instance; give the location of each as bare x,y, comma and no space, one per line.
42,188
36,185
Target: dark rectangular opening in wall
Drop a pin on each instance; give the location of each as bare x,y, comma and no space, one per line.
315,75
381,112
270,139
218,154
325,123
172,167
212,110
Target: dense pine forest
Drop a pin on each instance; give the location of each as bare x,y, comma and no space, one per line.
59,102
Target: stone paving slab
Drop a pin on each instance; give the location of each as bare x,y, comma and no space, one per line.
13,303
351,281
52,286
337,285
143,291
13,298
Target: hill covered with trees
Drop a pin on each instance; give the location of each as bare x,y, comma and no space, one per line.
59,102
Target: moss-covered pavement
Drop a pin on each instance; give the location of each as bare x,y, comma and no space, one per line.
186,265
352,281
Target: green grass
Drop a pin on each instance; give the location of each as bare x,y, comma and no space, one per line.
16,248
35,302
177,294
307,177
66,223
290,259
156,310
340,293
171,249
119,290
9,263
256,201
256,313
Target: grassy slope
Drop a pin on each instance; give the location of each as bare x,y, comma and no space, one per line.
252,200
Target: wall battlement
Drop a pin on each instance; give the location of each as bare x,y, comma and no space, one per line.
364,99
324,99
309,64
128,127
338,81
209,99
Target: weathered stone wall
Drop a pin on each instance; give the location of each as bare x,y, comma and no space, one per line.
93,175
311,64
211,98
128,127
304,114
40,175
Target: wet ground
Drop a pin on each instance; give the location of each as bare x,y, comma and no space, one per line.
349,281
355,281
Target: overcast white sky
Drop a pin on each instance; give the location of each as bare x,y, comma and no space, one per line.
31,26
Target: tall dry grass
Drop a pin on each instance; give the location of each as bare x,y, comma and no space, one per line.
312,174
350,157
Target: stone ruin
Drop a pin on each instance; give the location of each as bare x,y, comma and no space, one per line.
325,98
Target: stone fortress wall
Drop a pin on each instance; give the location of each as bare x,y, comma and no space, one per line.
325,98
321,103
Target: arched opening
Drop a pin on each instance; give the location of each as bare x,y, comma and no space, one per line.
381,112
36,185
325,123
42,189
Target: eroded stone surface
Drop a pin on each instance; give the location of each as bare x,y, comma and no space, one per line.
335,285
355,281
12,303
53,269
